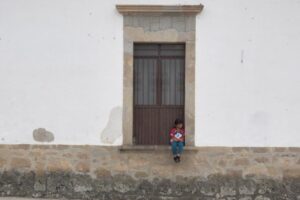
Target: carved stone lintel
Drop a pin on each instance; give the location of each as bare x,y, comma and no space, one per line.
135,9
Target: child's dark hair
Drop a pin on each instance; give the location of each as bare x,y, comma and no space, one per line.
178,121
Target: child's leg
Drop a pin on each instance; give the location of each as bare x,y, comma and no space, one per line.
180,147
174,148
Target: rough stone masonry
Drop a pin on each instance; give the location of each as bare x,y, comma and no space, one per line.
97,172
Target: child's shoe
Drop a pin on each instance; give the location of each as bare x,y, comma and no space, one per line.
178,158
175,159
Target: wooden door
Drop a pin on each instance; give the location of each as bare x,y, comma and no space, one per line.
158,91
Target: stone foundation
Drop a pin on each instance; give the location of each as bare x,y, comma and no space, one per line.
97,172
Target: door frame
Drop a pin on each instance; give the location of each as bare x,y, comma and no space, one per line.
136,28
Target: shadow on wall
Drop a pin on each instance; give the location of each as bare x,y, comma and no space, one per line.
112,133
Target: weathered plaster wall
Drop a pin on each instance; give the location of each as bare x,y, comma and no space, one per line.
84,172
61,70
246,74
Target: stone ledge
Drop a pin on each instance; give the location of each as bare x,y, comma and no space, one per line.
142,148
134,9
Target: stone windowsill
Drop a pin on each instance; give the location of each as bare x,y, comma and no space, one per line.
125,148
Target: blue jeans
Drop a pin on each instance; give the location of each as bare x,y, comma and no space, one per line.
177,147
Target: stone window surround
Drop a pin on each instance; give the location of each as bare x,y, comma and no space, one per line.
133,34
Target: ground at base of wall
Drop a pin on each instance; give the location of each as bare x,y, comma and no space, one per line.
79,186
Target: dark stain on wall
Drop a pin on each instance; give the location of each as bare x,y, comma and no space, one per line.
42,135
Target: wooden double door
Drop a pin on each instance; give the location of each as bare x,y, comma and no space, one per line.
158,91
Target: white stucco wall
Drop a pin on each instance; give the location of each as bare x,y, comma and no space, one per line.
61,69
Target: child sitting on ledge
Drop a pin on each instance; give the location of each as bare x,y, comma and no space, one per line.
177,139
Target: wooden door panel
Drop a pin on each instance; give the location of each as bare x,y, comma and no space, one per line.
146,125
158,91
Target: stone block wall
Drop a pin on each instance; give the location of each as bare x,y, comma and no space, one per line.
97,172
